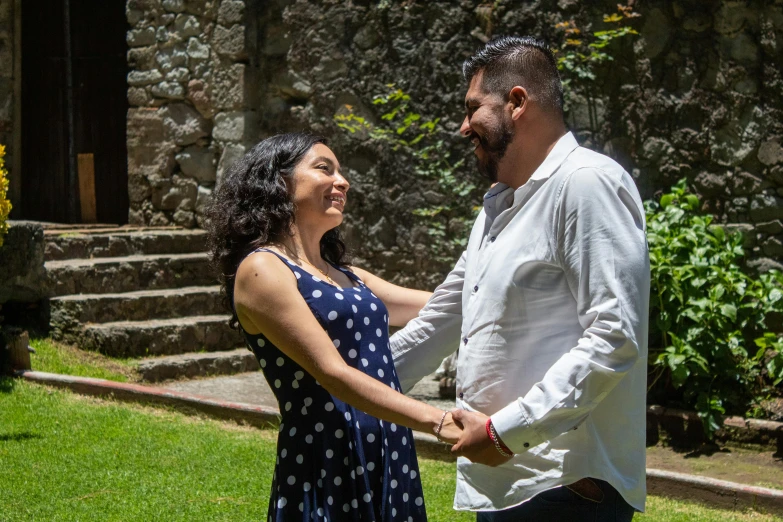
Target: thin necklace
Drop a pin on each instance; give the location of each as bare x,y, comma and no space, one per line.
325,274
301,260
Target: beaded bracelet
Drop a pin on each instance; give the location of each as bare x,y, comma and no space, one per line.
493,436
440,425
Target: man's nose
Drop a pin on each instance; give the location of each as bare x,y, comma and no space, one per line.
465,129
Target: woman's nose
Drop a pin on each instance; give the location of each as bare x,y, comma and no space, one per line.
341,183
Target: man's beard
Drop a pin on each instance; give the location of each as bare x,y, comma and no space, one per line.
494,145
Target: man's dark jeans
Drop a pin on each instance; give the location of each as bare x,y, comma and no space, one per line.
595,504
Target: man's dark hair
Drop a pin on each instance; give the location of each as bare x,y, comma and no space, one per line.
507,61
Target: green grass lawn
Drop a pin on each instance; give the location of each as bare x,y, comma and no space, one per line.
53,357
67,457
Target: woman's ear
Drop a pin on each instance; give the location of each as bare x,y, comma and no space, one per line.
518,99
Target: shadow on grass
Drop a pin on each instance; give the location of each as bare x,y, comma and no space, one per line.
7,384
706,449
19,436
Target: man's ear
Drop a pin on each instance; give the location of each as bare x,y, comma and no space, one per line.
519,100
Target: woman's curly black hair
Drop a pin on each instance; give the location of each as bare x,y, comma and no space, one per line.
252,207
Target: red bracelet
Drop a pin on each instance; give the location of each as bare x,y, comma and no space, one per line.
502,448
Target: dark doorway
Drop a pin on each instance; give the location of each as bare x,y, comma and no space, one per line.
74,101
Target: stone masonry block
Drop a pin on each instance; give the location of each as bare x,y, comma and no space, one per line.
235,126
229,89
199,96
197,49
138,97
183,124
230,42
770,153
230,12
766,207
187,25
169,91
144,126
172,57
142,58
140,78
141,37
231,153
198,163
174,6
203,199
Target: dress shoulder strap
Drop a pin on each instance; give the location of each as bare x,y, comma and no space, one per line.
285,261
353,277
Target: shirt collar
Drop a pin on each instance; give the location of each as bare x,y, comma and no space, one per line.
499,197
564,146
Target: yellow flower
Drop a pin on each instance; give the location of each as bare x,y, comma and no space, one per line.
5,205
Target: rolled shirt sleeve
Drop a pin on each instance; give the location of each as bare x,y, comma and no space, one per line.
602,248
420,347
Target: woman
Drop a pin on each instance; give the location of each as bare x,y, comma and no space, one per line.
319,329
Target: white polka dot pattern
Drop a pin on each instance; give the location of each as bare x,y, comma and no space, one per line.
341,460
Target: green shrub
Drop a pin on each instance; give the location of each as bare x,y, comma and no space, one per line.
710,345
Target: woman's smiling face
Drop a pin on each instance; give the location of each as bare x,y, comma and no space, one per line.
319,190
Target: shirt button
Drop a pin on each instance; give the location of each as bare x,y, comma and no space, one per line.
526,444
475,288
461,395
492,239
465,340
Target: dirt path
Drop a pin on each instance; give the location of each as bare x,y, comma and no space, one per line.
732,463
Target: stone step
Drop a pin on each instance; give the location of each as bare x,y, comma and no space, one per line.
161,336
84,243
191,365
128,274
67,313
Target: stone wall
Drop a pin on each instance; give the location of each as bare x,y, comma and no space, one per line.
23,278
697,94
193,67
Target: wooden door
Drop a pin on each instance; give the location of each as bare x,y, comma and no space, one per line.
45,184
74,101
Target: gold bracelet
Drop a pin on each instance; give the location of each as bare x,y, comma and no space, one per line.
440,426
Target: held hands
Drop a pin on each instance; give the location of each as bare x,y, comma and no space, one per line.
474,444
450,432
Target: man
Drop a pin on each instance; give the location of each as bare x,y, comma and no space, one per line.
549,305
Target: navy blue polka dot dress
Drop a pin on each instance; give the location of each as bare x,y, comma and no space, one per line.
334,462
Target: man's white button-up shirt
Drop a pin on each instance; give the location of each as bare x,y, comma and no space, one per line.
549,309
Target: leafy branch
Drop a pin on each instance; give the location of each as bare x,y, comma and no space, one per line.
581,52
424,141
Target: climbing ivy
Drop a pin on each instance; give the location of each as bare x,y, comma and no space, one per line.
425,142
